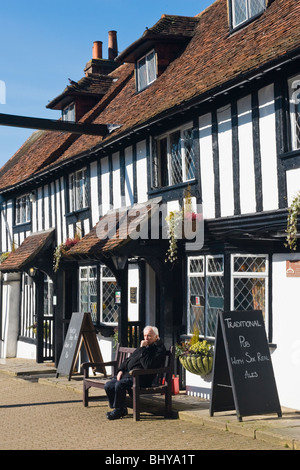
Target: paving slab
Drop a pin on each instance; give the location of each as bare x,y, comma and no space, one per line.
283,431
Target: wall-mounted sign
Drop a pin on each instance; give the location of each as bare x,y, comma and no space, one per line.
133,295
293,268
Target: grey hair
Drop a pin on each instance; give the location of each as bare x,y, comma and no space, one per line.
153,328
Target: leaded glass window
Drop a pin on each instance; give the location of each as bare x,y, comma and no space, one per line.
109,309
205,293
244,10
250,283
174,158
88,290
23,209
78,190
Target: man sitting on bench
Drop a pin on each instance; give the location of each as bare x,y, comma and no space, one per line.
150,355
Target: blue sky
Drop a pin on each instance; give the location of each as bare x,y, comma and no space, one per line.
45,42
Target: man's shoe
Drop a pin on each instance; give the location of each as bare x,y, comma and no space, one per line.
117,413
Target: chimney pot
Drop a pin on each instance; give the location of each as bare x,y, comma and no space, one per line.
97,50
112,45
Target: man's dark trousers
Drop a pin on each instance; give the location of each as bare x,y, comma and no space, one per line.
116,391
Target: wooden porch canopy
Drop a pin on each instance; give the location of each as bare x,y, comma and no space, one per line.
114,231
23,257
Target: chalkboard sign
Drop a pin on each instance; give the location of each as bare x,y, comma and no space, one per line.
243,377
81,331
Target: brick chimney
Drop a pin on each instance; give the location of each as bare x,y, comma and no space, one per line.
112,45
98,65
97,50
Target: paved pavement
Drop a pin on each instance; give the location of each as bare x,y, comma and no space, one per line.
193,412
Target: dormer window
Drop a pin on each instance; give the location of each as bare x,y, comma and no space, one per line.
146,70
68,113
242,11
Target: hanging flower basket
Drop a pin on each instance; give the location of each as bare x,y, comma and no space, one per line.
197,364
195,356
62,250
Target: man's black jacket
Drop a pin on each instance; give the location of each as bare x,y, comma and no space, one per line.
145,357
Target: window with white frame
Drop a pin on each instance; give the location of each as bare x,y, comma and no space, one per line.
90,287
205,293
78,190
109,309
174,158
146,70
243,10
23,209
294,96
68,113
250,283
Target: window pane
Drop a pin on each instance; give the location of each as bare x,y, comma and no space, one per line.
176,160
256,7
163,154
249,264
196,305
249,294
215,264
215,302
142,74
239,12
197,265
110,310
189,154
151,67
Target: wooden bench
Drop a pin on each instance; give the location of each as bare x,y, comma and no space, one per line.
164,379
99,382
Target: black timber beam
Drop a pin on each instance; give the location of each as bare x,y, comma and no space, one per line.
11,120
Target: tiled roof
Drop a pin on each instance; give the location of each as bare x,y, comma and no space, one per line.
90,85
113,231
212,58
169,27
27,251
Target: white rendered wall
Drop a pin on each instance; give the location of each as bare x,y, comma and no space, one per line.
206,166
246,157
267,133
141,172
286,331
225,161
